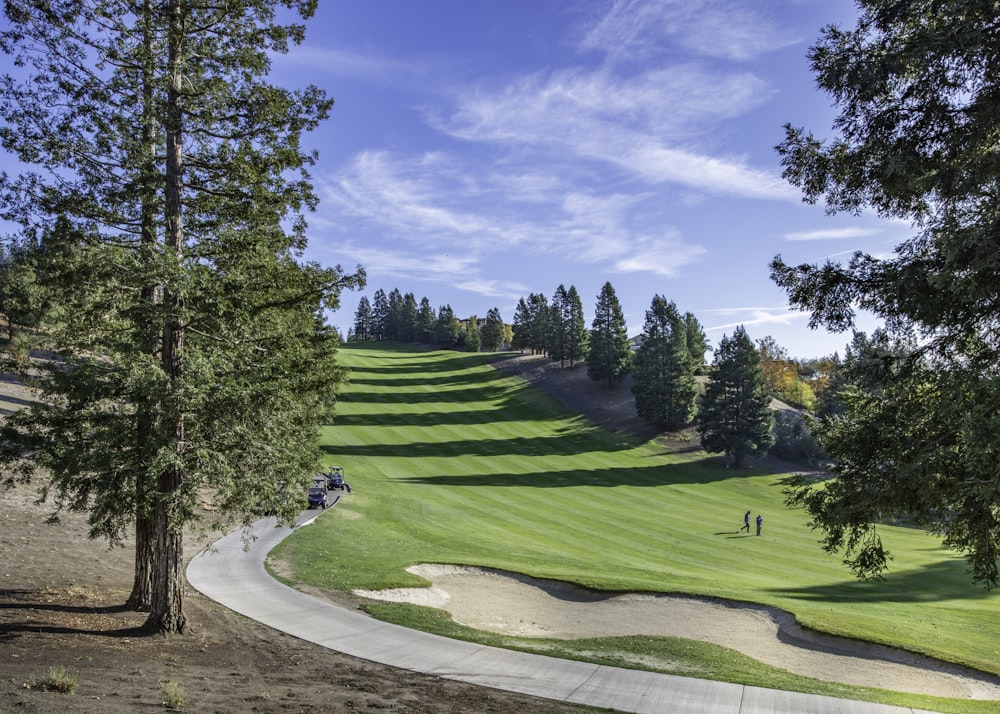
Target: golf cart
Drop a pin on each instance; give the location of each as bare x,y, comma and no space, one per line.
317,497
335,479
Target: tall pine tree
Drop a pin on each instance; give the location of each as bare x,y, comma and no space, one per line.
663,375
735,417
575,327
169,181
610,354
363,320
493,332
538,319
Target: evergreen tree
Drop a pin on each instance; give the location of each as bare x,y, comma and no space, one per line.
610,355
381,316
166,202
521,326
492,332
408,320
472,338
395,327
425,321
538,318
557,339
363,320
448,330
575,327
22,300
735,415
697,342
663,374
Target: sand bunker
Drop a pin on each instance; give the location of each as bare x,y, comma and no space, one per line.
514,604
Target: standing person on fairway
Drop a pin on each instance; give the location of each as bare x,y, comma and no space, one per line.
760,521
746,522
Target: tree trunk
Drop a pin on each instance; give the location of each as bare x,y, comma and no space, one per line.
141,598
167,614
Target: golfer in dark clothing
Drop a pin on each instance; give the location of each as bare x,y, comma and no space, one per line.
760,521
746,522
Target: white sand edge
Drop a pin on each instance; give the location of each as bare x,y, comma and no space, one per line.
514,604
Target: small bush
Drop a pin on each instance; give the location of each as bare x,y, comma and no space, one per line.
173,694
59,679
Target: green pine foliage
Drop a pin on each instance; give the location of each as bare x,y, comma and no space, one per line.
492,332
663,372
735,417
916,88
538,320
609,356
521,327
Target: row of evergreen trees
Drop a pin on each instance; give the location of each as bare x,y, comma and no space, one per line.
735,417
399,318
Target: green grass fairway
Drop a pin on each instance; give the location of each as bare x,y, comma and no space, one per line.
452,461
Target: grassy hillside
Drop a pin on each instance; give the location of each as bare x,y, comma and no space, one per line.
454,462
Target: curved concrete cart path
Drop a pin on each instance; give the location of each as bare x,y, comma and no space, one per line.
237,579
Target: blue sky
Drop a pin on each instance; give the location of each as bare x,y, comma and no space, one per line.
483,150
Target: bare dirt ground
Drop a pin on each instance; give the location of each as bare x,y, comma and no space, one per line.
61,597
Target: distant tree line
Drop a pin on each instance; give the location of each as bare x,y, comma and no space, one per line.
730,405
399,318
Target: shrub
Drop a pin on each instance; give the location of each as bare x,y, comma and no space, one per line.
173,694
59,679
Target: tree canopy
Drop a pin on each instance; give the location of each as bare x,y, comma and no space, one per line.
735,416
916,86
609,356
663,380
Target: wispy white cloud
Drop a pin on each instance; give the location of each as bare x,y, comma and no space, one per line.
506,291
371,66
832,234
644,126
420,199
676,101
712,174
416,201
664,256
432,266
640,30
583,155
750,316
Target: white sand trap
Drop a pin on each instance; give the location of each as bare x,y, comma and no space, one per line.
513,604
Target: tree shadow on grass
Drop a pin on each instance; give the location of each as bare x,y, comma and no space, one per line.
460,378
643,477
408,357
941,581
478,391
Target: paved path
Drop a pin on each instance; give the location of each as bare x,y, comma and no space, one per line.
237,579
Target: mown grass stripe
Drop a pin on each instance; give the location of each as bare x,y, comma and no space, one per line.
451,460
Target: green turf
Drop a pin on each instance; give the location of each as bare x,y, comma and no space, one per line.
452,461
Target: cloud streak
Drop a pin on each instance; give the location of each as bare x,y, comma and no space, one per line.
639,30
755,316
642,125
832,234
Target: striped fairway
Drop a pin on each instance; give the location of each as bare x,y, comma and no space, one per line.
452,461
